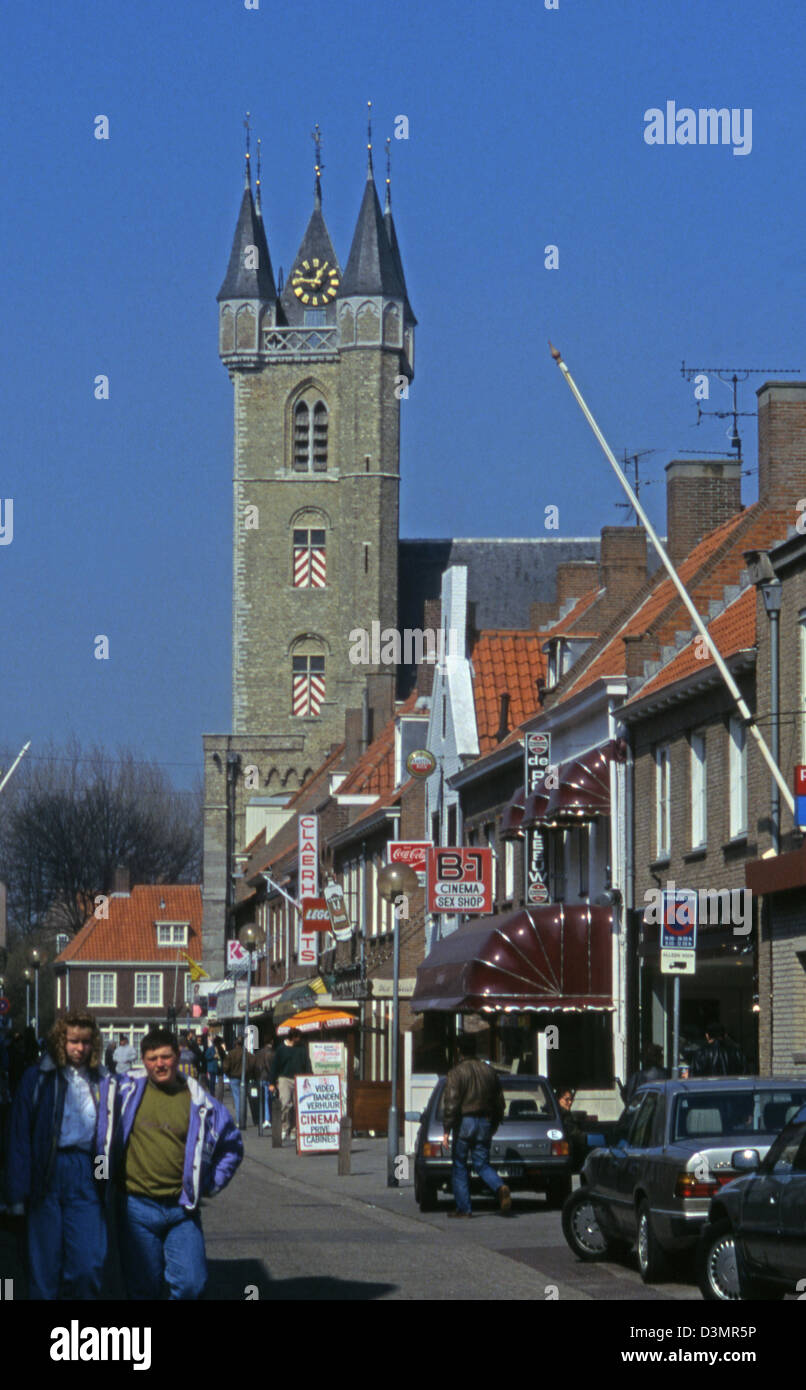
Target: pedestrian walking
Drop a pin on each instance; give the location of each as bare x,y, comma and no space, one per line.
290,1059
109,1056
214,1056
167,1144
51,1171
652,1070
473,1108
233,1068
720,1056
263,1060
125,1054
188,1058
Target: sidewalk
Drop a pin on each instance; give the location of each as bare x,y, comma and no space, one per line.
366,1180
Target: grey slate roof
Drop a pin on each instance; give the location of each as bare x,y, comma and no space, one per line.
389,223
240,283
503,576
316,242
371,265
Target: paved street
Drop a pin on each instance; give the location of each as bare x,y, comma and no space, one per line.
293,1228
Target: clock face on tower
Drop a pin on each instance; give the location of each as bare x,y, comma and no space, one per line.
315,282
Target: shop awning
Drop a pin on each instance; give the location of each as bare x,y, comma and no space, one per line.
534,810
316,1020
541,958
513,815
583,791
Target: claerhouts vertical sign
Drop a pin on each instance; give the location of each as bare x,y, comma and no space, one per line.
308,885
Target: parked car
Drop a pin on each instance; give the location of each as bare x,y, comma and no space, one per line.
754,1243
529,1149
676,1147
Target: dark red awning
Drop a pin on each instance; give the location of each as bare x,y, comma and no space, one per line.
540,958
534,809
513,815
583,790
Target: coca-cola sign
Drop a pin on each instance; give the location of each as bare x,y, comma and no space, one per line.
411,852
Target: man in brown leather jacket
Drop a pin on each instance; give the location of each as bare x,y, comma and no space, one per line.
473,1108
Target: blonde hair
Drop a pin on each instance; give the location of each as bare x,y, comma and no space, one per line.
57,1037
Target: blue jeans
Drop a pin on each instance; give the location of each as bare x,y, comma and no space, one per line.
235,1087
161,1240
471,1144
67,1232
264,1086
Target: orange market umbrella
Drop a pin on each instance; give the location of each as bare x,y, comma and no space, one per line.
314,1020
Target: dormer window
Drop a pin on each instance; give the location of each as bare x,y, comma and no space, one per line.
172,933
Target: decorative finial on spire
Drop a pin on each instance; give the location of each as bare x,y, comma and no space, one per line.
257,188
388,173
369,140
316,136
247,182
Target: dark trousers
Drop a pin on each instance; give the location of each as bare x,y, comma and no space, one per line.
67,1232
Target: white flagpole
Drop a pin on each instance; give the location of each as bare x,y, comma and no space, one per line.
694,615
18,759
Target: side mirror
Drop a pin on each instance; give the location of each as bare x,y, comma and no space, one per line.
414,1117
745,1160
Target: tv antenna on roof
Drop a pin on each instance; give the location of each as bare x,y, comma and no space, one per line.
731,376
632,459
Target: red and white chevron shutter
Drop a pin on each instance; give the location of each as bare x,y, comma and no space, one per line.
302,567
318,568
310,566
308,685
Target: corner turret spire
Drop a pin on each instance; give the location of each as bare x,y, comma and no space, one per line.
249,273
316,136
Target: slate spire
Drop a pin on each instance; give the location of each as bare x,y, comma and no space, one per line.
371,265
316,244
389,224
249,273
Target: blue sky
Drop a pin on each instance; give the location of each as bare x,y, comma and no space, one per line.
526,129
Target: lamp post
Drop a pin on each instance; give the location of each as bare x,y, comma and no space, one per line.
38,959
27,976
251,938
394,882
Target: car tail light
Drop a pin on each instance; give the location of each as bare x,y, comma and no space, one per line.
433,1150
559,1148
689,1185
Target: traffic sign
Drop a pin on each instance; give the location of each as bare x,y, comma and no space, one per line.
678,932
800,795
5,1006
459,879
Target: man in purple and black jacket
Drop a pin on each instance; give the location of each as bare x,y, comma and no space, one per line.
167,1143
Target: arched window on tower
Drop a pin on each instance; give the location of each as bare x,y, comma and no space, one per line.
310,559
307,685
310,434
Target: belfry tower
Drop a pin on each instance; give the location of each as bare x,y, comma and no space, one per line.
318,367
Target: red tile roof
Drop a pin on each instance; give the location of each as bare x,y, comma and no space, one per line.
505,661
375,770
659,614
129,932
733,631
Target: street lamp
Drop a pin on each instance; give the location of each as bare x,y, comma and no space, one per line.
251,938
38,959
27,975
395,881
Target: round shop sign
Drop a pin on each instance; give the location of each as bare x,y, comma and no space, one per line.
421,763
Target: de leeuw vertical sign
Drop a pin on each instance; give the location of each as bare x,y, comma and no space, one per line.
308,884
536,764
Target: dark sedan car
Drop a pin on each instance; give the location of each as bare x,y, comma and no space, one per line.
529,1149
754,1245
675,1148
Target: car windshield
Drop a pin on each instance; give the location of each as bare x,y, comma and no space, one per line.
711,1114
524,1102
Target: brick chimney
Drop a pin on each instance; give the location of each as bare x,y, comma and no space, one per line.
120,882
575,578
782,443
622,564
700,495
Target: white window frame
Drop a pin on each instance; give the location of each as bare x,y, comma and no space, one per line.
177,933
663,801
737,775
101,1002
148,975
698,789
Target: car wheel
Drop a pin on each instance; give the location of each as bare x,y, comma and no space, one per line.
717,1270
651,1258
582,1229
425,1193
558,1190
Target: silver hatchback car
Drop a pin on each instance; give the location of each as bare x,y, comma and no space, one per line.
674,1148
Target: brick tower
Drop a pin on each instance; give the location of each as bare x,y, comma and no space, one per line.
318,369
